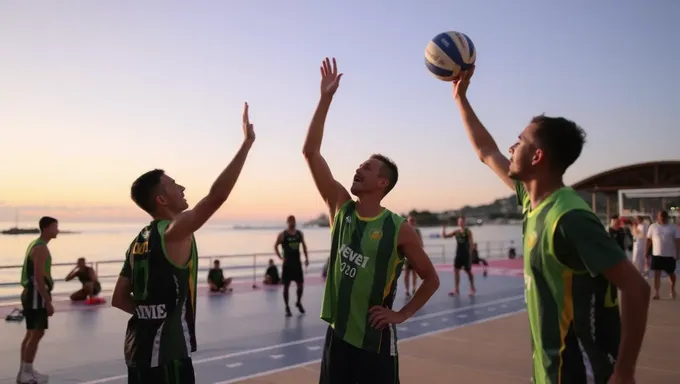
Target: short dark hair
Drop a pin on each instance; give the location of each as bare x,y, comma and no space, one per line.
216,262
388,170
45,222
614,217
144,190
664,214
562,140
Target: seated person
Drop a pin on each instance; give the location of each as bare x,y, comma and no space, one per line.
216,279
271,276
88,278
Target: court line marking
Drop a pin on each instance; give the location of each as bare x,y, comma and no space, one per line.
409,338
311,339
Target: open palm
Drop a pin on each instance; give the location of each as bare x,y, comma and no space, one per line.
330,78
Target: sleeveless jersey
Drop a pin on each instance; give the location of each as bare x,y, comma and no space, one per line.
364,267
574,317
291,246
27,272
463,242
162,327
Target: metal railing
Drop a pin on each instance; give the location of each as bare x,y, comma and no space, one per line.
249,267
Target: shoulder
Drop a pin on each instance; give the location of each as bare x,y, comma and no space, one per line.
579,223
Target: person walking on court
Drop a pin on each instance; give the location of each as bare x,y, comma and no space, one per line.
572,267
290,241
36,300
663,241
368,246
463,259
157,284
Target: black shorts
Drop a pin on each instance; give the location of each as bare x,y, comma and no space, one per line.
33,307
462,261
343,363
175,372
96,288
292,272
663,263
218,285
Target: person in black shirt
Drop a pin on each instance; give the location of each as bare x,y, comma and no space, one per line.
290,240
271,276
87,277
216,279
617,232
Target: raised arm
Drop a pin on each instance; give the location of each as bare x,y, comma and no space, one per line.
188,222
484,145
333,193
446,235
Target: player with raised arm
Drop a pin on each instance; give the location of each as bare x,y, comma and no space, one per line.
157,284
368,247
572,267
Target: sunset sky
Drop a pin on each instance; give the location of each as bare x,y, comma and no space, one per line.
92,94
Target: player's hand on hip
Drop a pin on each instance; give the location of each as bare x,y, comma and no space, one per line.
461,85
380,317
248,131
330,78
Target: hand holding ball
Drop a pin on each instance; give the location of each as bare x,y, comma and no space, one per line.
448,54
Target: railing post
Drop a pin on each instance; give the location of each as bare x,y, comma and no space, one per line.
442,249
254,271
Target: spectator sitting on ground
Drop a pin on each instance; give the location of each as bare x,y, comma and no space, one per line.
88,278
512,253
216,279
271,276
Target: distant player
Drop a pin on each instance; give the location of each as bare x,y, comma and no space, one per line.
463,259
157,284
572,267
409,275
663,241
368,247
36,300
290,241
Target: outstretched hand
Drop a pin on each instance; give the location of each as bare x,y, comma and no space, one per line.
461,85
248,131
330,78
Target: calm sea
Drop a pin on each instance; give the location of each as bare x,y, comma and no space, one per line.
104,246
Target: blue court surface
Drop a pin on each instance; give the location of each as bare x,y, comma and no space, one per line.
240,335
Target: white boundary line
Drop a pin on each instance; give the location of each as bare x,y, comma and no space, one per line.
304,341
260,374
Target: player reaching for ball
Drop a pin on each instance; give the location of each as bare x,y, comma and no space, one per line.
368,246
572,268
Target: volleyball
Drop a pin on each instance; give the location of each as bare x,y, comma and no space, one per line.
449,53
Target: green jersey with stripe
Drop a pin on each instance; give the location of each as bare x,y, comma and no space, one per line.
364,267
162,328
573,309
27,272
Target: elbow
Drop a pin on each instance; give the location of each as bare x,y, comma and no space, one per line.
309,153
117,301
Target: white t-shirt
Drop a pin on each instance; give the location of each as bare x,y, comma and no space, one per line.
663,238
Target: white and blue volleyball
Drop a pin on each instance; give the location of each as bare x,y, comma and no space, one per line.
448,54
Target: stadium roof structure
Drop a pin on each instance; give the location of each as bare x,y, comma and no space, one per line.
655,174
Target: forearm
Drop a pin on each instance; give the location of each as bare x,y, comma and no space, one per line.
42,289
634,307
425,290
225,182
316,126
125,304
481,139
